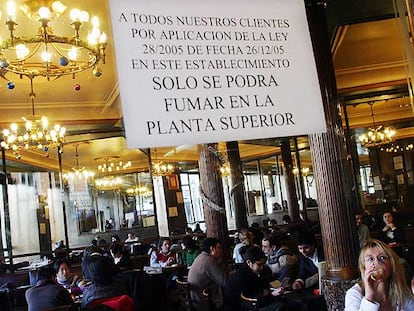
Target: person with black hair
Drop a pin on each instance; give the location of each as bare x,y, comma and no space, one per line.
120,257
65,278
257,233
307,247
115,239
392,234
207,273
362,229
283,263
101,272
247,280
190,250
46,293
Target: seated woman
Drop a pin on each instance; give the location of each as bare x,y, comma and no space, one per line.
164,257
120,257
383,283
101,272
391,234
246,239
65,278
246,280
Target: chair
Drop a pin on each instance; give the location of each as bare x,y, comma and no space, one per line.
248,304
123,302
207,300
183,291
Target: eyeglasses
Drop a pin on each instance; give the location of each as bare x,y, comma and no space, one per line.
380,258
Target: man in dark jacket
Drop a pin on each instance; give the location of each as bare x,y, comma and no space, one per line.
46,293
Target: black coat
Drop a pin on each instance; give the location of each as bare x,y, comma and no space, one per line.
246,282
47,294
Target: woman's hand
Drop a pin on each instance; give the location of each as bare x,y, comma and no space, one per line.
170,261
371,282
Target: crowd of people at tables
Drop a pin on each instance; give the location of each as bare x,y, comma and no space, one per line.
262,267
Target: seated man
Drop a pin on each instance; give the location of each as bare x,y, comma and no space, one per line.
46,293
283,263
362,229
307,247
309,259
207,273
247,280
120,257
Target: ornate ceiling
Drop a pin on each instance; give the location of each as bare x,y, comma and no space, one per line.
369,55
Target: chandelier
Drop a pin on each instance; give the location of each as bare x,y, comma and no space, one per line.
162,169
398,148
78,172
141,191
376,135
108,183
45,53
35,134
112,164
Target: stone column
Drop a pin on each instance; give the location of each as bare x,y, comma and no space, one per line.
332,173
237,194
293,205
211,190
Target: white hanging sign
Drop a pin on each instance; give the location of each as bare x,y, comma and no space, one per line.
194,71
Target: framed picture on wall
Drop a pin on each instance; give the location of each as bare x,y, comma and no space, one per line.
400,179
172,211
398,163
180,199
173,183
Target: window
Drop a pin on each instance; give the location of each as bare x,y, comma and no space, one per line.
190,185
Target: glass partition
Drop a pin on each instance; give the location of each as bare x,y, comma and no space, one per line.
112,202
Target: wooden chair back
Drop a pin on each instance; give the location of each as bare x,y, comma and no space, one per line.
207,300
248,303
183,291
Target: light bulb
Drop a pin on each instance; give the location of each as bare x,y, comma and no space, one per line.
44,13
11,11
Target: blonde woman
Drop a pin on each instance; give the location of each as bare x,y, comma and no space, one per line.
383,285
246,239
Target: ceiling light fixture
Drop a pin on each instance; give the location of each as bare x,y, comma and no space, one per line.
376,135
45,53
162,169
108,183
159,168
140,191
78,172
112,164
35,134
398,148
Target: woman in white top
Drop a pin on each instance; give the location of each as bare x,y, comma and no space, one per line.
384,284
